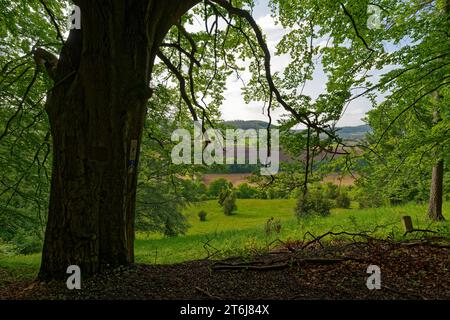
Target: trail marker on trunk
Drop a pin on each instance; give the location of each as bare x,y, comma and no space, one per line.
132,157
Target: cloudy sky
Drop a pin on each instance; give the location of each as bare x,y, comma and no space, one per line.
234,107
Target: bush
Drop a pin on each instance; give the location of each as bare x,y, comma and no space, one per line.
204,197
20,232
218,186
229,204
245,191
223,195
343,200
202,215
331,190
313,203
7,249
272,227
367,199
262,195
27,243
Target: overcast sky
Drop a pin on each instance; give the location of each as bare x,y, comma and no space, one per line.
234,107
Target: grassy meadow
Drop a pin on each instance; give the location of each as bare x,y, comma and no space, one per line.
245,232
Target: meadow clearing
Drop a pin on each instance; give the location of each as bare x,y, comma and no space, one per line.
246,233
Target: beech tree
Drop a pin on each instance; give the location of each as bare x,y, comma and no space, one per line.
409,145
104,77
97,109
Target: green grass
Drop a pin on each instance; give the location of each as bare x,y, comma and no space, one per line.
250,213
244,233
20,267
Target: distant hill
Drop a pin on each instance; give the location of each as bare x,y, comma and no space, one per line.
249,124
354,133
346,133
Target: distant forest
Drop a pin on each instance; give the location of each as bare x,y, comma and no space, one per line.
346,133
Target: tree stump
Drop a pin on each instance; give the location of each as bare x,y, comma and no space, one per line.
407,223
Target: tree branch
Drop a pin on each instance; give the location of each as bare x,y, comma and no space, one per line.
46,60
348,14
181,81
53,20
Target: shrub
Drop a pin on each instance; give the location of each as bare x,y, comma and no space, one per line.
202,215
331,190
343,200
170,230
7,249
27,243
229,204
312,203
20,232
217,186
223,195
245,191
367,199
272,227
204,197
262,195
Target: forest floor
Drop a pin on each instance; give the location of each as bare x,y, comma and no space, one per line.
409,270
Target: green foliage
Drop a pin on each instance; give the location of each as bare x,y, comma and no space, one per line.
410,51
313,203
218,186
343,200
410,124
20,231
25,157
202,215
331,190
27,243
245,234
7,249
229,203
223,195
373,199
272,227
245,191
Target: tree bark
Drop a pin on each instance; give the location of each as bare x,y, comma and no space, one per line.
435,204
97,110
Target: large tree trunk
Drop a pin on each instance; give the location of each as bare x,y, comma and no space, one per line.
97,110
435,204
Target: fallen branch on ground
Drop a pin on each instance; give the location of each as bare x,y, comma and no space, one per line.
419,230
258,266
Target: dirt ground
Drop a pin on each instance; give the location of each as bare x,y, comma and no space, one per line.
235,178
239,178
408,271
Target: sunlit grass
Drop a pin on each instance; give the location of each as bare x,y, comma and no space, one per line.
244,232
